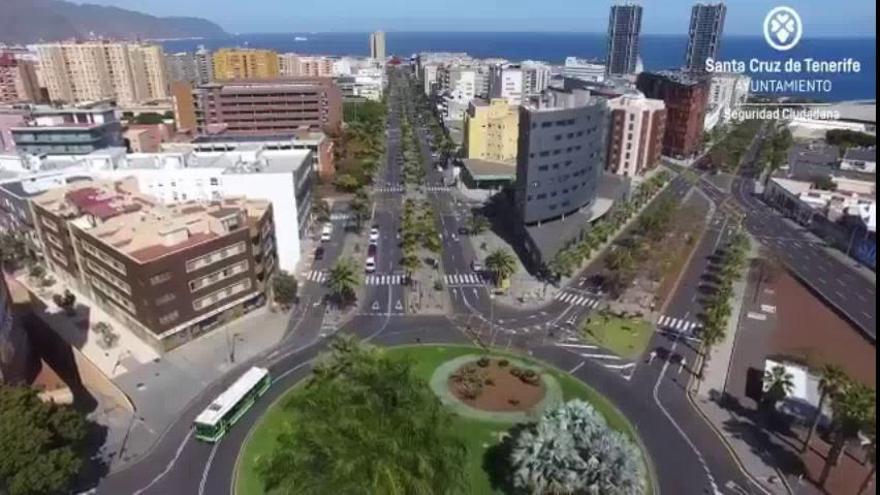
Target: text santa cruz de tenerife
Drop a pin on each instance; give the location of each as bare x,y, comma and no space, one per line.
812,71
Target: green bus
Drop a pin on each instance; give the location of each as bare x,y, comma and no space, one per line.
212,423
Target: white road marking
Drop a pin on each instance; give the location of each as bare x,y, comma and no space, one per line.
571,371
168,467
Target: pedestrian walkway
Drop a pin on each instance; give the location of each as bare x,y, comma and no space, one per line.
598,355
339,216
438,188
678,325
576,299
466,279
316,276
392,279
389,189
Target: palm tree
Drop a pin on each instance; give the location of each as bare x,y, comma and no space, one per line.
410,263
778,384
830,386
501,264
342,280
853,410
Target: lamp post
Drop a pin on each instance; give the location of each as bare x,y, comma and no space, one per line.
492,318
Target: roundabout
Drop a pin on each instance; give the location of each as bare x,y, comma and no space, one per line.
490,395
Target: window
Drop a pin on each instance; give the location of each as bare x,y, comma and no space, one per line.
167,298
104,257
168,318
214,181
215,256
160,278
109,277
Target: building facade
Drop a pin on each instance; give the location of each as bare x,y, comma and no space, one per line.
169,272
728,90
561,154
74,130
585,70
377,46
295,65
686,97
15,350
18,80
624,28
243,64
93,71
268,106
181,66
491,130
635,134
704,34
506,81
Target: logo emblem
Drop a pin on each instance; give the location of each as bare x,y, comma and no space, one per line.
783,28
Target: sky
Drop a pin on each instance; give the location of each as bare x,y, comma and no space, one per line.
744,17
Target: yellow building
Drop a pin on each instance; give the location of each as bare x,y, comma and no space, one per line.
238,63
491,130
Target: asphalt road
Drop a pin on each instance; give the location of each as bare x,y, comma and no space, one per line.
687,458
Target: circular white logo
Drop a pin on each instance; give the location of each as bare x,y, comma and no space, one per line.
783,28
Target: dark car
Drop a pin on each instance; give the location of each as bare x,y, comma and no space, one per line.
371,251
463,231
319,253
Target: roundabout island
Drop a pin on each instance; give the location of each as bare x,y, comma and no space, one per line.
506,416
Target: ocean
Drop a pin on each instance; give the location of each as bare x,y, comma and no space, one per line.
657,51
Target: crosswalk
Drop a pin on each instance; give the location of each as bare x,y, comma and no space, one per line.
340,216
460,279
577,299
393,279
316,276
390,189
679,325
438,188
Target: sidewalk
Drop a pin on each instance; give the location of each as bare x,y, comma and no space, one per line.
737,432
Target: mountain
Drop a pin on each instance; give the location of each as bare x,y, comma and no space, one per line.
31,21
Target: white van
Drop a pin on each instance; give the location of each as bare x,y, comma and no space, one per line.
370,265
326,232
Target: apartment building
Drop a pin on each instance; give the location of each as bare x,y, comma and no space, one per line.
635,134
685,96
170,272
70,130
245,63
377,46
491,130
585,70
704,34
84,72
18,80
270,106
624,29
15,349
295,65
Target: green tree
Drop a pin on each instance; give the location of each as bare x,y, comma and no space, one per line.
501,264
14,251
778,384
571,449
853,410
364,424
478,224
284,287
343,280
148,118
360,206
410,263
43,445
831,385
347,183
321,210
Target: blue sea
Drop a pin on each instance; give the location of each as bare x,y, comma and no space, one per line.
657,51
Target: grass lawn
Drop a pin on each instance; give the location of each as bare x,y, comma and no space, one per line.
477,435
626,337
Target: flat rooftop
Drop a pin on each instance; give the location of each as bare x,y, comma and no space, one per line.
487,170
117,214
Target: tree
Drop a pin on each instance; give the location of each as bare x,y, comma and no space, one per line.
501,264
410,263
478,224
572,450
360,206
853,410
44,445
620,259
365,424
346,183
778,384
284,288
148,118
342,280
321,210
13,250
831,385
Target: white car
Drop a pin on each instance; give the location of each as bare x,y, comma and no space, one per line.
370,265
374,234
326,232
476,266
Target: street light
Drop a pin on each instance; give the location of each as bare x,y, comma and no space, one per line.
492,319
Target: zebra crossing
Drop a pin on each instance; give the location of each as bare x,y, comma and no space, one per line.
679,325
596,354
393,279
438,188
390,189
577,300
316,276
340,216
459,279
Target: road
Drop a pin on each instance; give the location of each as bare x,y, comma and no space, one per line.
686,456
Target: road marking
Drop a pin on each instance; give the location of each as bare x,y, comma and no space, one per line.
571,371
168,467
577,346
619,366
207,468
609,357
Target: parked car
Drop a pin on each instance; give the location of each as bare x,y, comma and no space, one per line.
374,234
476,266
370,265
326,232
319,253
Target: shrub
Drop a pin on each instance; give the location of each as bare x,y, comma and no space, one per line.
483,362
503,363
517,372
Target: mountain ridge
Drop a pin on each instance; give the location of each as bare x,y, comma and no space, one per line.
34,21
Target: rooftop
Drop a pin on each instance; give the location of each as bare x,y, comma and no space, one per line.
680,77
861,154
488,170
117,214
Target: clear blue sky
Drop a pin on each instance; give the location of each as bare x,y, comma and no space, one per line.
821,17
